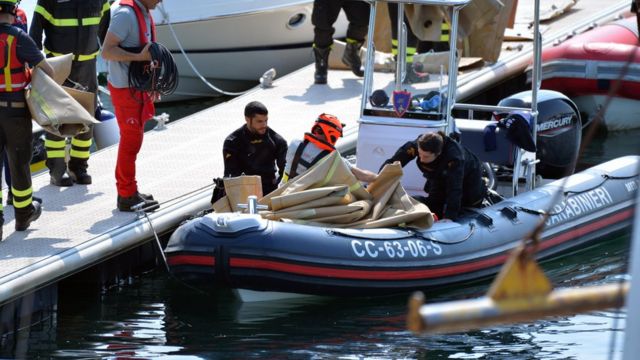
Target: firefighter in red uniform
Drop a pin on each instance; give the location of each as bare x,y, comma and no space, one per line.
131,28
16,50
72,26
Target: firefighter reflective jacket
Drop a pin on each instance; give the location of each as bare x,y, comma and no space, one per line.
71,26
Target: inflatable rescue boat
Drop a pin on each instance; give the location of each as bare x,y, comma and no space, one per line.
388,242
244,251
587,67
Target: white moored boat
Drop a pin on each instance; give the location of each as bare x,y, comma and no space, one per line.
232,43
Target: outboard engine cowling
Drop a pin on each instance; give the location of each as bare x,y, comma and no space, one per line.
558,131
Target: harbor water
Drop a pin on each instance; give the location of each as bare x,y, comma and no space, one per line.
155,316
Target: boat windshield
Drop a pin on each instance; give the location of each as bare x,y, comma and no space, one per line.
417,91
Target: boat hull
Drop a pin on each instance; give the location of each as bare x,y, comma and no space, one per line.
233,47
604,61
620,113
244,251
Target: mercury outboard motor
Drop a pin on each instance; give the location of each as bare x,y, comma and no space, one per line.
558,131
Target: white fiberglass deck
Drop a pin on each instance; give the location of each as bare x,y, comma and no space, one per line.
80,225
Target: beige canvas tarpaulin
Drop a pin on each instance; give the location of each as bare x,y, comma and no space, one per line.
61,67
480,32
486,39
53,107
334,215
329,195
425,21
325,196
237,190
392,206
329,171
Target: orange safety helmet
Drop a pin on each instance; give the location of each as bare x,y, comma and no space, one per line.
329,126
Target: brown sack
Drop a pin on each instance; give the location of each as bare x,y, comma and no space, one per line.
239,188
54,109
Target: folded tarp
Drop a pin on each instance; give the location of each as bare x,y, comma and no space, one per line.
59,110
329,195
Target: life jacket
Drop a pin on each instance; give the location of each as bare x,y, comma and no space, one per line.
142,25
71,27
321,149
14,75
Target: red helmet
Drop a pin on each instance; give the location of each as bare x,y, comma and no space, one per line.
329,126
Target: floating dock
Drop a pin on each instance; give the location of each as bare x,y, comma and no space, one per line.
81,227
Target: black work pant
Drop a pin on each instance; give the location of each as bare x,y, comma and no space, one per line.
82,77
325,14
16,140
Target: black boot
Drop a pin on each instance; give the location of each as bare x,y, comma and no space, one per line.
78,171
145,196
322,64
1,223
58,171
146,204
351,57
9,197
25,216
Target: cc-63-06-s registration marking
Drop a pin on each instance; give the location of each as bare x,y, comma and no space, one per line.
395,249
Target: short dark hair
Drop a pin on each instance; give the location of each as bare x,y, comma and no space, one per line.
431,142
255,107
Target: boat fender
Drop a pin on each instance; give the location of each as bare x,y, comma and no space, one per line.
106,133
232,223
